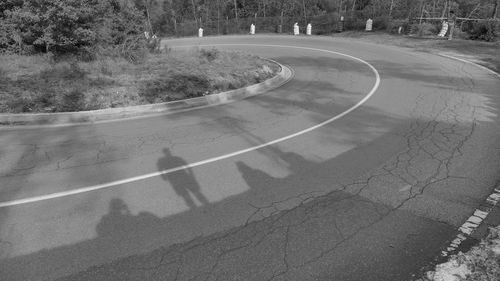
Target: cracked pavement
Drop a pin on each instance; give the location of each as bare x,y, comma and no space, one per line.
374,195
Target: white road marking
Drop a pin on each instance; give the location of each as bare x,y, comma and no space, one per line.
210,160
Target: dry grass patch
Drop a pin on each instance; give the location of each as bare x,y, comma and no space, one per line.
38,84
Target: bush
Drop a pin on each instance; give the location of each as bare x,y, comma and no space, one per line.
69,26
209,54
458,33
73,100
484,30
175,87
425,29
23,104
325,24
394,25
382,23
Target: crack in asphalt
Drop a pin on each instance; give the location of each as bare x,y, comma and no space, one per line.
438,140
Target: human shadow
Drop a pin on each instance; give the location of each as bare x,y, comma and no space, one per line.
119,219
182,180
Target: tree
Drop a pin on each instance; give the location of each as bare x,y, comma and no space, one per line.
69,26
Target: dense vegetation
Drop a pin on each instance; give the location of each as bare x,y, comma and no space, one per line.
73,55
34,84
87,52
116,26
183,17
86,27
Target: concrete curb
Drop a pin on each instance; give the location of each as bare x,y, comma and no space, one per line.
115,114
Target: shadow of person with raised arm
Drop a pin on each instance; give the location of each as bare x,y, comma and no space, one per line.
183,181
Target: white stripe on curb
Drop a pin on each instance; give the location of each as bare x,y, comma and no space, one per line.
210,160
474,221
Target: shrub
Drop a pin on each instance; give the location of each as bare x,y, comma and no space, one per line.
382,23
209,54
73,100
25,103
484,30
69,26
326,23
394,25
424,29
175,87
458,33
65,71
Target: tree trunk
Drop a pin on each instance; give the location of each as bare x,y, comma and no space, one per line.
281,8
495,9
421,12
147,14
208,10
305,16
235,11
445,8
218,16
194,12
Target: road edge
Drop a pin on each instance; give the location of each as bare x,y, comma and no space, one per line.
24,120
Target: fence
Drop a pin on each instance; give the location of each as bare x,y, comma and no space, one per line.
329,23
323,24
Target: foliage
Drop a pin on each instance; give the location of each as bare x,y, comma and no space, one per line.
38,84
481,263
182,18
484,30
69,26
425,29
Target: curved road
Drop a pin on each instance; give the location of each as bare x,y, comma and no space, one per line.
375,194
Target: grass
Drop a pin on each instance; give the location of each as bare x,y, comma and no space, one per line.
481,263
484,53
38,84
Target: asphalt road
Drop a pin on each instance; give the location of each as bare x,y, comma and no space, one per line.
372,195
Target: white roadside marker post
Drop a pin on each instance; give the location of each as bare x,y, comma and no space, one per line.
296,29
369,25
309,29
